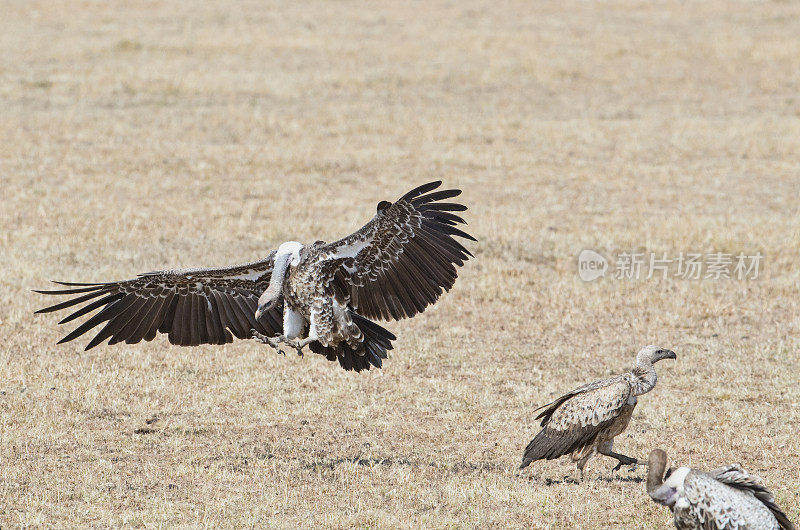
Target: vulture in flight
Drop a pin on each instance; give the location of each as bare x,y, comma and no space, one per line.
323,295
727,498
585,421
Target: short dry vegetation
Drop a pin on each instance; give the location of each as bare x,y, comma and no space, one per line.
149,135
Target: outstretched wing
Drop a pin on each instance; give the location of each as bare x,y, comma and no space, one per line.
572,422
403,259
736,477
193,306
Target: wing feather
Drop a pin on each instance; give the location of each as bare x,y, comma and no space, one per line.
216,329
95,287
165,326
143,325
189,325
199,335
572,421
549,408
178,331
69,303
237,322
103,315
124,322
152,330
191,306
737,477
405,257
105,332
91,307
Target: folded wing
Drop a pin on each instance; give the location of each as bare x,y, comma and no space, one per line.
736,477
191,306
403,259
572,421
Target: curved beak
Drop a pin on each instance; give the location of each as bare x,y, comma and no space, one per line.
669,354
263,308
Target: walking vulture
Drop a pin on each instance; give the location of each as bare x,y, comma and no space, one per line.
585,421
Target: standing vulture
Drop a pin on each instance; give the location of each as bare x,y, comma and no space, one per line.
322,295
727,498
585,421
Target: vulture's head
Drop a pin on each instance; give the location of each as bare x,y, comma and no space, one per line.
664,488
288,254
652,354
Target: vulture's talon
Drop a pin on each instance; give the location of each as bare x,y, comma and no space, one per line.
632,462
269,341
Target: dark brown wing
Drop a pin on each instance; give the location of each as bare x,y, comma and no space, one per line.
404,258
575,419
193,306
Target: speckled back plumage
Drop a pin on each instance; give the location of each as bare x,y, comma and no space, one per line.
727,498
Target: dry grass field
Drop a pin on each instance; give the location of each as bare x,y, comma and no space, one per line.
150,135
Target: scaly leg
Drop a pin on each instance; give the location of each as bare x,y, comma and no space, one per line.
297,345
275,342
300,344
582,464
623,459
606,448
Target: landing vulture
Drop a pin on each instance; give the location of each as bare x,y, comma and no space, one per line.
323,295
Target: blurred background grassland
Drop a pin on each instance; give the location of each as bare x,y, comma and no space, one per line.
151,135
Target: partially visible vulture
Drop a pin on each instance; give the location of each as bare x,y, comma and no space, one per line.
727,498
322,295
585,421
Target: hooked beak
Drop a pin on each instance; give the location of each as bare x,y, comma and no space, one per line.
669,354
263,308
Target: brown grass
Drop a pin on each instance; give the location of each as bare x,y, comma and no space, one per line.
179,134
